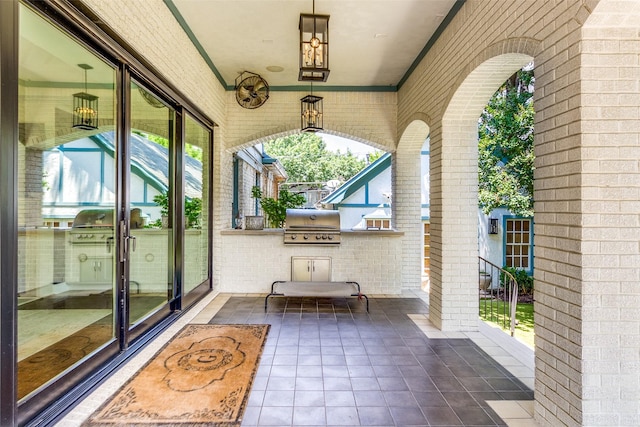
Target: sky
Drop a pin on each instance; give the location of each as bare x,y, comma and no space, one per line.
336,143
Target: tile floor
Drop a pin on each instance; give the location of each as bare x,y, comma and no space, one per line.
328,362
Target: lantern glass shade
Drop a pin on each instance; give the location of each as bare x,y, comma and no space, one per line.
85,111
314,48
493,225
85,106
311,113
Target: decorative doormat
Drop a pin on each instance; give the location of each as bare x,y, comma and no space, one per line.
201,377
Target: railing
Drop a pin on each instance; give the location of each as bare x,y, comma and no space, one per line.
498,292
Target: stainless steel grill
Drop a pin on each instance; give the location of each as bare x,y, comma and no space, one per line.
92,226
312,227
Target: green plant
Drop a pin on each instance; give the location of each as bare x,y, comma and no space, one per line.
525,282
275,210
192,210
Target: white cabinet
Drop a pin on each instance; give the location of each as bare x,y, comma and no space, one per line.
310,269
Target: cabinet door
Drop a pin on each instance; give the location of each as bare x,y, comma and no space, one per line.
301,269
310,269
321,270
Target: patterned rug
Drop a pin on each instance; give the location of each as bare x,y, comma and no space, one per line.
201,377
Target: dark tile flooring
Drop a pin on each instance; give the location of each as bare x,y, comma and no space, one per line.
327,362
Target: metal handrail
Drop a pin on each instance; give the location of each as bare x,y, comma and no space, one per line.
500,284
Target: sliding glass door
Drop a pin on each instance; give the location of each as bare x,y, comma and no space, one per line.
66,204
113,190
150,191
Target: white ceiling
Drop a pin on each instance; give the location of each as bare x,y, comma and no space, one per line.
371,42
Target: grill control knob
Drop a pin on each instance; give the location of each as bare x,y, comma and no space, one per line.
294,237
306,237
330,237
318,237
324,237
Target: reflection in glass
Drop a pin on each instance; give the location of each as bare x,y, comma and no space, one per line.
197,164
65,207
150,186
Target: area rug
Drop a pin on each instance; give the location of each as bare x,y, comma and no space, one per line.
201,377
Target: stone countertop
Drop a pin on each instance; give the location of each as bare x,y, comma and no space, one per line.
280,231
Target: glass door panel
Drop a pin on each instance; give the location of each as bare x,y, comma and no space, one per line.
196,204
150,186
66,203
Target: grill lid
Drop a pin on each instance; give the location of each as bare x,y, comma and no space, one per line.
93,218
312,219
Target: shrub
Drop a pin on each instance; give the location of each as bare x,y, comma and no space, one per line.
525,282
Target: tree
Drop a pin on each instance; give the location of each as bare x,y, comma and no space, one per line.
306,159
505,148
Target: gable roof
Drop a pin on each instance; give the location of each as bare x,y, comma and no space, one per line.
359,180
150,161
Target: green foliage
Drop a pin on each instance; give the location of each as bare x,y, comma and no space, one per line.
162,200
525,282
191,150
375,155
506,156
192,210
305,158
275,210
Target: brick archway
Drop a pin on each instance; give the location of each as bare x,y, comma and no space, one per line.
454,181
406,184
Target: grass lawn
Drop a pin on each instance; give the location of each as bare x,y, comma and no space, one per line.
495,313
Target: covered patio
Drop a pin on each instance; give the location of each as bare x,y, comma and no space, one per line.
586,191
329,363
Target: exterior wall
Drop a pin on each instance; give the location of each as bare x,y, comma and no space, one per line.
365,200
491,246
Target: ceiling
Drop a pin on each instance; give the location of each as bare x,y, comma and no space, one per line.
372,43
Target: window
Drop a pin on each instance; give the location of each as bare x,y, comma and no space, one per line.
378,224
426,264
518,248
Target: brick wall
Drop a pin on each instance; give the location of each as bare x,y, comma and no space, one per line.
251,262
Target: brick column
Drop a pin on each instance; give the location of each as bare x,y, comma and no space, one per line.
587,225
454,226
405,182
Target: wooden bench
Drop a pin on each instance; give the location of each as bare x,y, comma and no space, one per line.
284,288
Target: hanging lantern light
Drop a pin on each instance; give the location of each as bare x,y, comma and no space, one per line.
311,113
314,47
85,106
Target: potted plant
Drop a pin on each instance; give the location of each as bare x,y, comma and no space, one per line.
254,222
276,209
484,280
192,211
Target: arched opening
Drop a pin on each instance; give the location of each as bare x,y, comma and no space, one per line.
329,171
408,200
454,201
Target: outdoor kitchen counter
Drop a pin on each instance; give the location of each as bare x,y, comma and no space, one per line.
280,231
251,260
